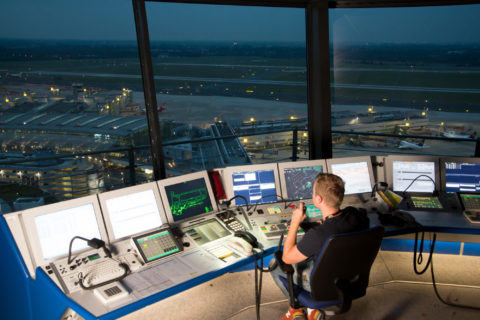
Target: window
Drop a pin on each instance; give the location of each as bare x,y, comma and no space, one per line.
405,71
70,84
228,70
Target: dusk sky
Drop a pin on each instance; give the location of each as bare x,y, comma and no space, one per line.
113,20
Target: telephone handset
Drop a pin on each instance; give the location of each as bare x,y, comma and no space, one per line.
243,242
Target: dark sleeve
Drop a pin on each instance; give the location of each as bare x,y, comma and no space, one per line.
311,242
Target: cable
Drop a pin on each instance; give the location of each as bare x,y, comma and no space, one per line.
441,299
422,175
258,283
229,201
263,197
93,243
419,260
375,187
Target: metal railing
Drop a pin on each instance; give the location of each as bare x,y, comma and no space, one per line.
129,168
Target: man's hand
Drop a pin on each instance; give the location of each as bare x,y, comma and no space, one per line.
299,214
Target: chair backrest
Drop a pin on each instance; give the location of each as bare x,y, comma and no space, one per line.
346,257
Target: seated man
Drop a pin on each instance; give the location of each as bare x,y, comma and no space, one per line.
328,192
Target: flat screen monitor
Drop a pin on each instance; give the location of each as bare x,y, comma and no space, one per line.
356,172
132,210
413,174
187,196
460,174
297,178
50,228
156,244
256,183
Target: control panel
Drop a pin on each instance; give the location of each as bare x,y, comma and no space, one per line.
230,219
89,270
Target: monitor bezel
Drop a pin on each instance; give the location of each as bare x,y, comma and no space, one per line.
412,158
443,172
186,177
297,164
33,239
104,197
367,159
228,180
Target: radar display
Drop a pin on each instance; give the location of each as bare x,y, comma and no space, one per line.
188,199
299,181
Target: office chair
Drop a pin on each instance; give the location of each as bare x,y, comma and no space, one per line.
340,273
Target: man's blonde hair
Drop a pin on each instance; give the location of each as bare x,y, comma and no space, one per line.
331,188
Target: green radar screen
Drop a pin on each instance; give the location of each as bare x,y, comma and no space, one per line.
188,199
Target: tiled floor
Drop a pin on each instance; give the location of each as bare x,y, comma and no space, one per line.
395,292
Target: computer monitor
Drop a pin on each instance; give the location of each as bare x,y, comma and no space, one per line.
132,210
187,196
413,174
297,178
460,174
356,172
256,183
50,228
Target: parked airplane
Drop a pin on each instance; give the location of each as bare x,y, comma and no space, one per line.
412,145
452,134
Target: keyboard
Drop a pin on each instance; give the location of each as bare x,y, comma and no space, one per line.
103,271
94,269
228,218
275,230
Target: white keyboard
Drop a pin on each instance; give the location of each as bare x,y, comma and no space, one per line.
94,268
103,271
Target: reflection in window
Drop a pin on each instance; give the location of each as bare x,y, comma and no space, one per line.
222,71
405,71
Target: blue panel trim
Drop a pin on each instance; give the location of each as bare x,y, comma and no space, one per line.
14,279
407,245
471,249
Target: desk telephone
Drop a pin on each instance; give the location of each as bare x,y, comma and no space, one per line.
243,242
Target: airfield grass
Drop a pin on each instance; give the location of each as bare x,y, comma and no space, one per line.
265,69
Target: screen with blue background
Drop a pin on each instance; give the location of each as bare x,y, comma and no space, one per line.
256,186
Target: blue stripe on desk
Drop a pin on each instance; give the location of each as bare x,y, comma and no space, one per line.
444,247
471,249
